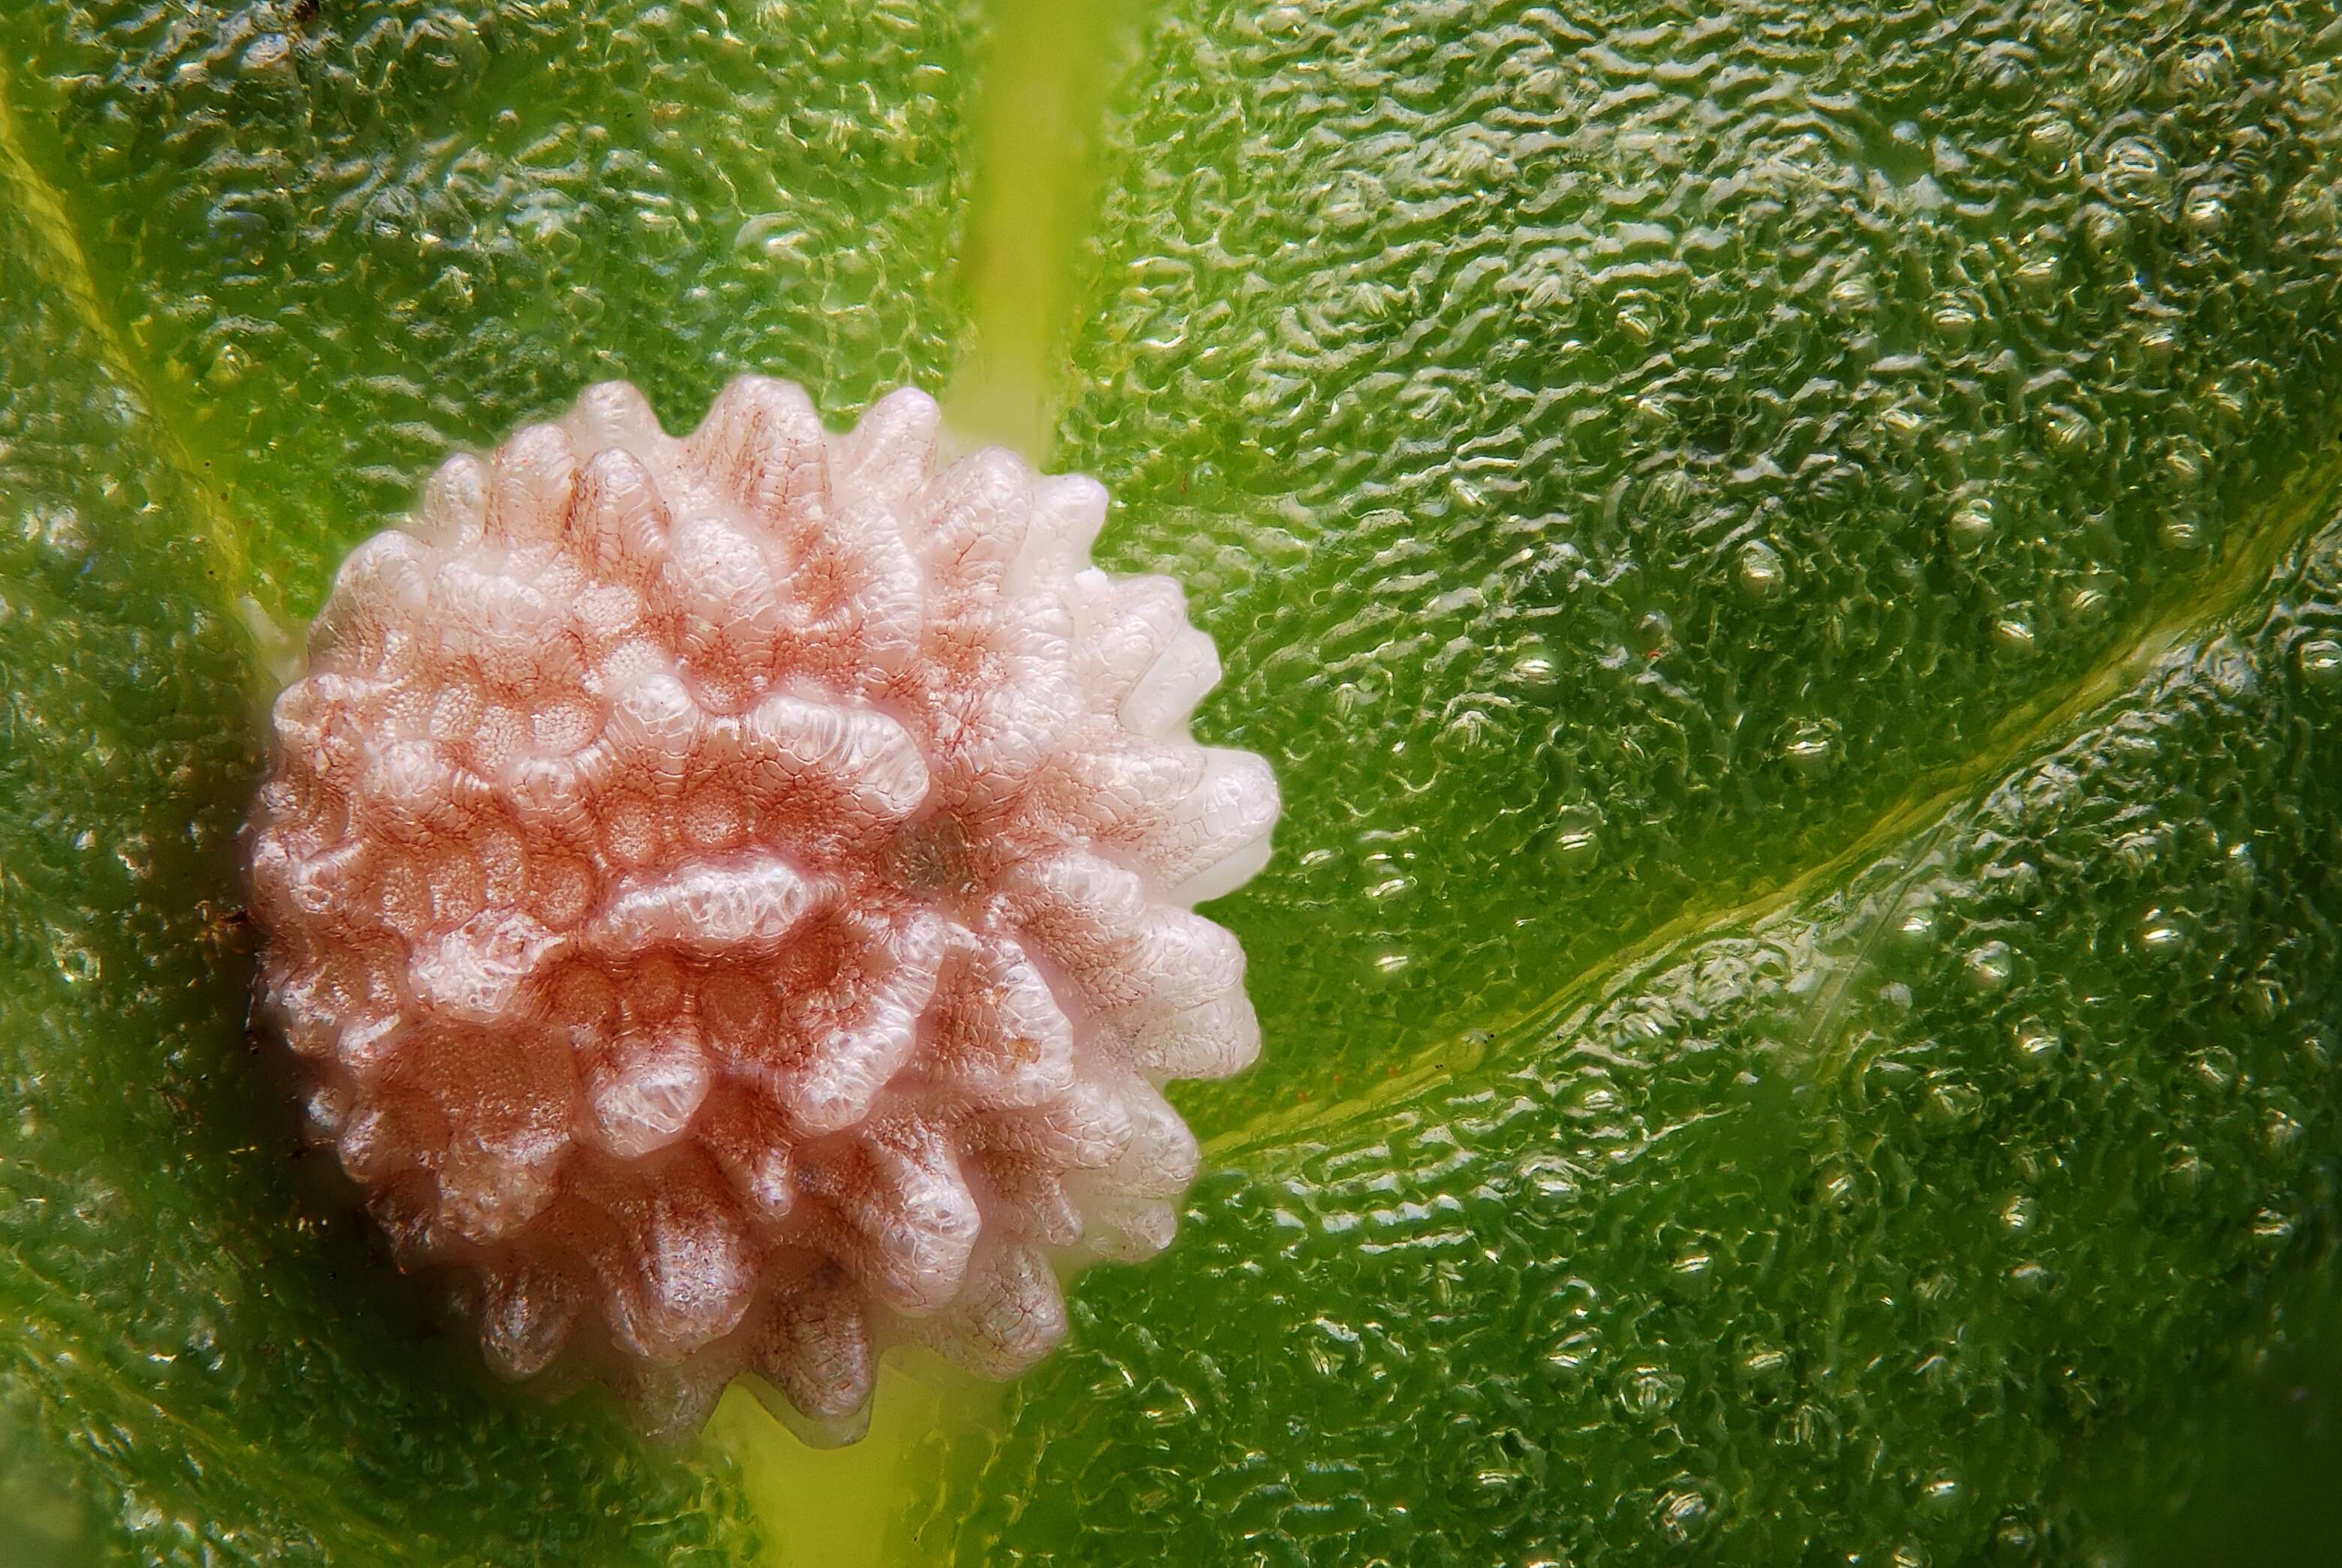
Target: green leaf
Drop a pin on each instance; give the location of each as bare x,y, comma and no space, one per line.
1782,557
1627,462
1763,542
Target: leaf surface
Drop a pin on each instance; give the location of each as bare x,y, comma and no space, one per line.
1783,557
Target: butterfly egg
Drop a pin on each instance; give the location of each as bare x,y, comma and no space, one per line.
730,899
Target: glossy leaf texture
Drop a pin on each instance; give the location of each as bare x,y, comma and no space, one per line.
1629,455
1782,555
1768,546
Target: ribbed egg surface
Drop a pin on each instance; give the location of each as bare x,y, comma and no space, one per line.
730,897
